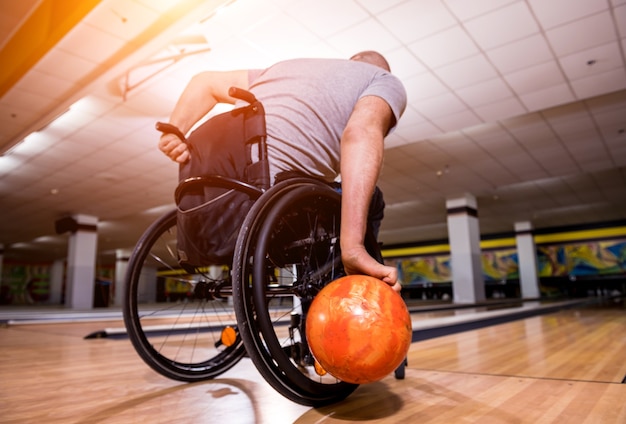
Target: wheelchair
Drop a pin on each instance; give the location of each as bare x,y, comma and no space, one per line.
287,250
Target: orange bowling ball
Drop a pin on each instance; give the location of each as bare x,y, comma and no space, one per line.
358,329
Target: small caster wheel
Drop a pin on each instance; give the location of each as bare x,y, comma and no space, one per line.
399,372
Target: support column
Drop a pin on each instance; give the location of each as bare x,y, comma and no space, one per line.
122,257
56,282
1,262
468,285
527,260
81,262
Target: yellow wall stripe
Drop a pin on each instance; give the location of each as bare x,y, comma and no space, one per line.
45,27
444,248
415,251
597,234
498,243
565,237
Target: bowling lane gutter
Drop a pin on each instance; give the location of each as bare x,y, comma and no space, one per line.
429,328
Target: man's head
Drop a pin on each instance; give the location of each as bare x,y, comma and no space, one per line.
373,58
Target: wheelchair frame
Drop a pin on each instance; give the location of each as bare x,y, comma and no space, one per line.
287,250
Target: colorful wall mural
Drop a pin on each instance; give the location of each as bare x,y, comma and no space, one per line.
583,259
578,259
24,284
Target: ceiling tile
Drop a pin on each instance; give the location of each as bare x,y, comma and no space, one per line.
529,128
438,106
415,19
556,12
444,47
70,122
592,61
122,18
36,143
239,17
465,10
89,136
485,92
13,116
610,102
600,165
403,63
66,66
248,56
603,83
75,146
612,123
620,19
45,85
535,78
423,86
411,117
367,35
549,153
94,105
377,6
394,140
511,23
111,127
502,109
125,117
619,155
17,100
281,37
157,5
570,119
90,43
145,105
548,97
417,132
327,17
466,72
521,54
457,121
582,34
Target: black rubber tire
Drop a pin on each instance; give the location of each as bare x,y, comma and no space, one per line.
295,226
186,343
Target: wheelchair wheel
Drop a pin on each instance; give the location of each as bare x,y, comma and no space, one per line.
180,323
287,251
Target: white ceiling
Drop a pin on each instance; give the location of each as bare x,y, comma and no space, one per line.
521,103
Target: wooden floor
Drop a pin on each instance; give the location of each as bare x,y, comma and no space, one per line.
564,367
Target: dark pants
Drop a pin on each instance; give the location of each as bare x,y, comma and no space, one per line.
377,211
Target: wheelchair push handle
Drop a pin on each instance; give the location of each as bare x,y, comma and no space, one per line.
241,94
166,128
235,92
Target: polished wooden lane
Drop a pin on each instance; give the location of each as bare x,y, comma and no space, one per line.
564,367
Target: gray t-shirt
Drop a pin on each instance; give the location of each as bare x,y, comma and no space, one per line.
308,103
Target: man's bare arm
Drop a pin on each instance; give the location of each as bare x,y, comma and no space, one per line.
362,146
203,92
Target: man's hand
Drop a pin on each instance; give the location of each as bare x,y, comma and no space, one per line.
174,148
356,260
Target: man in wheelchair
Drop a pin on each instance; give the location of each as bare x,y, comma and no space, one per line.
326,118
